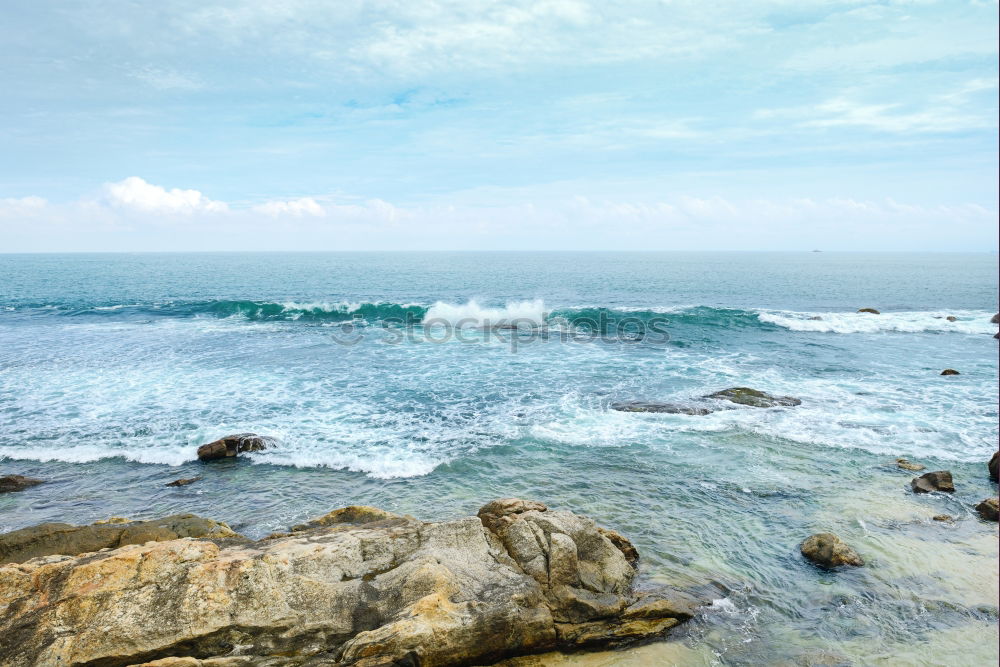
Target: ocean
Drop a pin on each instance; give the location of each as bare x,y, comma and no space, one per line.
386,380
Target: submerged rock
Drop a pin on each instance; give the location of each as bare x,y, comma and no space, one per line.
869,310
933,481
753,398
183,481
994,465
518,579
10,483
232,445
989,509
47,539
667,408
950,371
906,465
829,551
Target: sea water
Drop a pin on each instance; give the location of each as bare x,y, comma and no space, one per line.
386,381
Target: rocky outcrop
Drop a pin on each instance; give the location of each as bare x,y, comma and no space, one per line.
753,398
233,445
829,551
903,464
933,481
667,408
871,311
989,509
10,483
950,371
47,539
994,465
358,587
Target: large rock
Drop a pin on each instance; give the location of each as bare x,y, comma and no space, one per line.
233,445
47,539
667,408
994,465
11,483
829,551
753,398
950,371
870,311
939,480
361,588
989,509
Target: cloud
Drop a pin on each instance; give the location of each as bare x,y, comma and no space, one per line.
135,193
292,207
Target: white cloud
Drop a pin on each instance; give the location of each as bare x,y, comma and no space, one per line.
134,192
294,207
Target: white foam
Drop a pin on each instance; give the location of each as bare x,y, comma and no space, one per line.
973,322
471,314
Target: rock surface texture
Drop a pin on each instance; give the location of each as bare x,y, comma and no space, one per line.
11,483
828,550
989,509
356,587
667,408
939,480
994,465
233,445
753,398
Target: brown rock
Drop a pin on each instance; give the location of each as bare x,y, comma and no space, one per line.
869,310
12,483
994,465
943,517
829,551
933,481
628,550
951,318
47,539
233,445
354,515
753,398
906,465
950,371
183,481
385,592
989,509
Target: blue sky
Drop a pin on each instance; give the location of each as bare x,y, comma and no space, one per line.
454,124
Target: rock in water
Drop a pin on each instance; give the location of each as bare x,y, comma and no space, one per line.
362,588
906,465
12,483
183,481
933,481
829,551
753,398
995,319
994,465
950,371
667,408
943,517
869,310
232,445
989,509
951,318
47,539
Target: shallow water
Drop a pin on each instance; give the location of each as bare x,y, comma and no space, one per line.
113,368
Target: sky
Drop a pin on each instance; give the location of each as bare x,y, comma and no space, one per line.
498,125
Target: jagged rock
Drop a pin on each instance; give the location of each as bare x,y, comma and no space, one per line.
753,398
10,483
47,539
995,319
950,371
233,445
630,552
829,551
869,310
358,587
906,465
668,408
183,481
994,465
933,481
989,509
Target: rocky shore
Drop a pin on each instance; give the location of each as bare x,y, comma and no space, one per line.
358,586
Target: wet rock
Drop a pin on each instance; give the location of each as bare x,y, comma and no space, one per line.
354,515
995,319
829,551
183,481
233,445
753,398
11,483
951,318
869,310
906,465
933,481
950,371
816,318
624,545
47,539
667,408
994,465
943,517
518,579
989,509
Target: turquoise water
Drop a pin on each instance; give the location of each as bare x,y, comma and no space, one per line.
114,368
